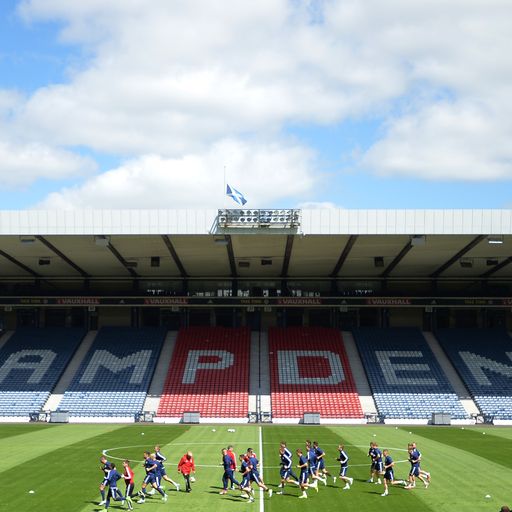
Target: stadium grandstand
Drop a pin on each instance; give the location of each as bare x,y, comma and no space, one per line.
285,316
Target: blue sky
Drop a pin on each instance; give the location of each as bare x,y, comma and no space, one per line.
30,55
113,105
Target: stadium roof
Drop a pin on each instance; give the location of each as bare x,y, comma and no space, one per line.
200,222
158,244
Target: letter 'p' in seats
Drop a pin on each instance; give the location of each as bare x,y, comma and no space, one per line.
209,373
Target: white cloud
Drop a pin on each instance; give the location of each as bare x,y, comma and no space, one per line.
446,141
263,173
24,161
22,164
9,101
173,78
178,76
454,120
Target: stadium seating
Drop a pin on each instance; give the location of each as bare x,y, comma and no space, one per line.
406,379
310,372
483,359
209,373
31,363
115,375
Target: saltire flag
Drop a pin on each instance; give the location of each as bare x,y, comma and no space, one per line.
237,196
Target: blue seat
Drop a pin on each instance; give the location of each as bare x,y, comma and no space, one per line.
114,377
25,390
481,360
405,377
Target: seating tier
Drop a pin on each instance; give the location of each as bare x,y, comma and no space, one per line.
209,373
405,377
483,358
116,373
310,372
31,363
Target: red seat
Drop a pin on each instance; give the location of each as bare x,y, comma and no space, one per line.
333,400
215,392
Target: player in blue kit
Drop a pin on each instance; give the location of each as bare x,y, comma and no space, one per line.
114,493
424,475
255,474
152,477
343,460
303,465
245,484
320,457
371,454
159,472
389,473
160,458
105,468
227,464
414,459
313,462
378,465
286,471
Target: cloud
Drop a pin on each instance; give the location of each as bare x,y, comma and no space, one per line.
264,173
181,75
174,78
460,141
22,164
9,101
23,161
454,120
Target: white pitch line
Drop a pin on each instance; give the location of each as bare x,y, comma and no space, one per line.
262,505
107,454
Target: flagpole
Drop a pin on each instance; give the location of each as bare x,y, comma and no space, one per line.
224,191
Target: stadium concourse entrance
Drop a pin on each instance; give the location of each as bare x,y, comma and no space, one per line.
257,318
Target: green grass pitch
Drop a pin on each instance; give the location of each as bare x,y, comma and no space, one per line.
60,464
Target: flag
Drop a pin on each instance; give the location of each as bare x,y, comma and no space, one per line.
238,197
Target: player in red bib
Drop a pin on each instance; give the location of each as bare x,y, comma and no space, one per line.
128,476
232,455
186,466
